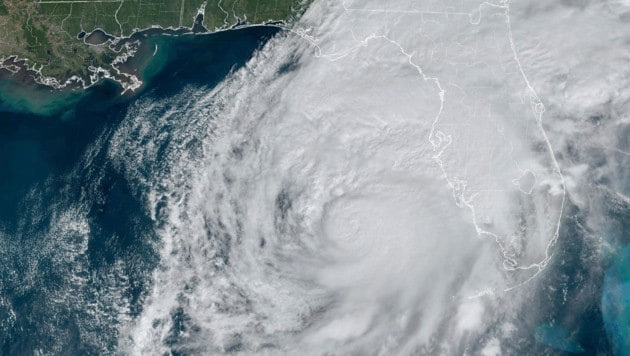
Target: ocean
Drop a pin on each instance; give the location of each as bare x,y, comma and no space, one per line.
269,193
71,225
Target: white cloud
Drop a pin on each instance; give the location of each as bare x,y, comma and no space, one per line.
358,202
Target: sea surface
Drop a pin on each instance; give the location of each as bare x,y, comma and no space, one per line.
71,226
90,182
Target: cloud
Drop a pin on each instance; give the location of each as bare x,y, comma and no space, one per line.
378,180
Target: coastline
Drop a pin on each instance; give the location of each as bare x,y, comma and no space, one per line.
126,68
66,190
153,49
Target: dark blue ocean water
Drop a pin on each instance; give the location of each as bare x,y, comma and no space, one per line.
71,226
77,245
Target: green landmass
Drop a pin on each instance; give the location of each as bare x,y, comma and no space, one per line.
45,32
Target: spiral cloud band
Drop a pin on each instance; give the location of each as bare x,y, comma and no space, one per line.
379,180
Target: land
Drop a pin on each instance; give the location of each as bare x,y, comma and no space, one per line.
47,38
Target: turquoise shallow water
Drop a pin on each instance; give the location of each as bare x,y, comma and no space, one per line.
558,337
76,245
616,302
20,98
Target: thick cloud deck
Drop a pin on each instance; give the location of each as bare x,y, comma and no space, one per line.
376,182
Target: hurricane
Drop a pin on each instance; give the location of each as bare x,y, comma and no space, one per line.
399,178
324,198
